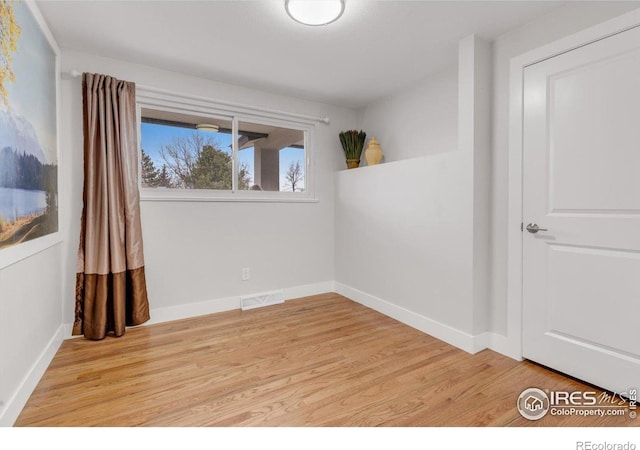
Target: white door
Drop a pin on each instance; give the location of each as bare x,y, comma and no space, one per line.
581,276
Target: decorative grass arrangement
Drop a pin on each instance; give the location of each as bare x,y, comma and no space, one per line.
352,143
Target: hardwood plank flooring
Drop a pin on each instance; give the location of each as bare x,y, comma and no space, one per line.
318,361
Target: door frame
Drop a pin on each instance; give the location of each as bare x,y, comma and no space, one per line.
515,153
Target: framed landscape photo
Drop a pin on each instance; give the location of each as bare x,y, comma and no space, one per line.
29,149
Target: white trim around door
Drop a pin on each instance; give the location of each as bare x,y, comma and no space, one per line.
515,207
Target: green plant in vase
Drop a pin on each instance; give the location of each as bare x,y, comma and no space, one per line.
352,143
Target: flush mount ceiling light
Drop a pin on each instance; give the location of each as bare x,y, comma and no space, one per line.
207,127
314,12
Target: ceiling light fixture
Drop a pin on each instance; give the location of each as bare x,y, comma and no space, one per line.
207,127
314,12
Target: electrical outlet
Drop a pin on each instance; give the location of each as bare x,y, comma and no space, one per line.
246,273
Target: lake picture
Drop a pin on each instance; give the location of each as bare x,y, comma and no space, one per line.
16,203
28,145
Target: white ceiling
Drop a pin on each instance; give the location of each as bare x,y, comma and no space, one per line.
375,49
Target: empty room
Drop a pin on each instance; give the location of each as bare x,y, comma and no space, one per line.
320,213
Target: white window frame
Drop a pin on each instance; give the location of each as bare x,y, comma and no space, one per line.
208,108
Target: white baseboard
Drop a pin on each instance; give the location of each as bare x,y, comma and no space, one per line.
67,330
185,311
309,289
177,312
15,404
502,344
481,342
469,343
169,313
457,338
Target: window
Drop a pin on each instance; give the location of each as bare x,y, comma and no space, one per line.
270,158
178,153
194,153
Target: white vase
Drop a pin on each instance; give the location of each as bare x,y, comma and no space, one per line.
373,153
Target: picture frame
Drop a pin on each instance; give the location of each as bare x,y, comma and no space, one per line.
36,60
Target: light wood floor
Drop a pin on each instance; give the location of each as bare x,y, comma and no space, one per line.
318,361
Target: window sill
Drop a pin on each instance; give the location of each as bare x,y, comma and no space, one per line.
180,197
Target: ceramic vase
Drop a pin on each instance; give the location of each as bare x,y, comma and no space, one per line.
373,153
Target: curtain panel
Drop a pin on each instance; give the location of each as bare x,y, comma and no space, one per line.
111,290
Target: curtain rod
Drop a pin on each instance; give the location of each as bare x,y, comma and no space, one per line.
325,120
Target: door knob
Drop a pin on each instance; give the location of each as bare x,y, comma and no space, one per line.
534,228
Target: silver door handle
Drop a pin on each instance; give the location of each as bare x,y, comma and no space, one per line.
534,228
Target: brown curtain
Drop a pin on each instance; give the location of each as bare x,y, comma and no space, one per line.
111,290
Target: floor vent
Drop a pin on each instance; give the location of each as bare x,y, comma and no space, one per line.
260,300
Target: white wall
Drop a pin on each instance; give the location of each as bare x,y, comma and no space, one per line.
30,317
573,17
474,138
403,235
418,121
411,235
194,251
